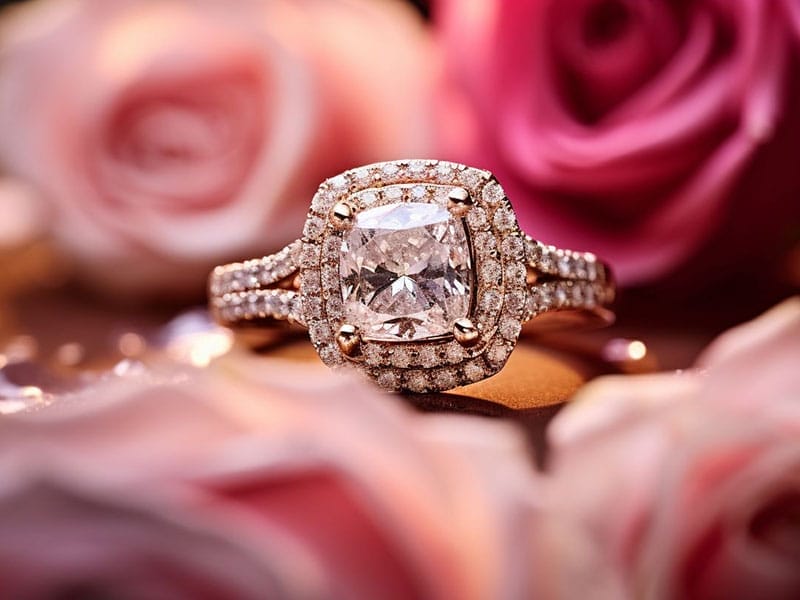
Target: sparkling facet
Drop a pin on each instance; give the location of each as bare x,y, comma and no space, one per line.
406,272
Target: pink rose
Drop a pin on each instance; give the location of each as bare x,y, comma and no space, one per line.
259,479
170,136
649,132
687,485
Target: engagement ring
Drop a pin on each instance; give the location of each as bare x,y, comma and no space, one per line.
414,272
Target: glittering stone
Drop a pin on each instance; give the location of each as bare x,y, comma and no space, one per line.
389,380
513,247
485,242
334,305
493,193
444,380
417,381
491,301
429,356
339,182
504,219
393,192
402,357
497,354
405,272
477,219
510,328
319,330
369,197
313,227
454,353
474,371
491,271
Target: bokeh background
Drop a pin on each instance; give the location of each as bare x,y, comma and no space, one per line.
146,452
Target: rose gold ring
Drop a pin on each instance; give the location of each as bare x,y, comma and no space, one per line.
414,272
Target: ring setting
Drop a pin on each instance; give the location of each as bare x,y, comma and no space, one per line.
413,272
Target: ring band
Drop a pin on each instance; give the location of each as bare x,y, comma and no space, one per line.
414,272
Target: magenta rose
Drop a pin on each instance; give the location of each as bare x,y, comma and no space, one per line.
169,136
260,479
686,485
649,132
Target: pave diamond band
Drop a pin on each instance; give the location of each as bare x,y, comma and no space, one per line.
413,272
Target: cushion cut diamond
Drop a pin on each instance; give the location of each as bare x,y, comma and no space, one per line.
406,272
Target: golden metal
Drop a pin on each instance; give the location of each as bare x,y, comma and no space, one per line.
342,215
465,332
348,340
459,201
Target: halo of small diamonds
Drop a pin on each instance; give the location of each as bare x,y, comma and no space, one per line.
499,299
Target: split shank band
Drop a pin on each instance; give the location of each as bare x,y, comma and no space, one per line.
413,272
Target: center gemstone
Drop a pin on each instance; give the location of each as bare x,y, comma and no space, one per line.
406,272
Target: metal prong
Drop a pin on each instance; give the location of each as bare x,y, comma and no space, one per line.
342,215
348,339
465,332
459,201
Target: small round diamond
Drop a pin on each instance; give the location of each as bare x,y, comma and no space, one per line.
497,354
477,218
319,330
493,194
369,197
417,166
393,192
504,219
390,169
418,191
338,182
309,283
564,266
470,177
445,380
510,328
402,357
334,305
361,174
515,301
491,270
330,355
429,356
455,353
484,242
417,381
515,272
312,305
373,353
474,371
332,246
491,301
313,227
330,279
513,247
310,255
444,169
389,380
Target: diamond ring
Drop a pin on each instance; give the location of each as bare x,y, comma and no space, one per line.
414,272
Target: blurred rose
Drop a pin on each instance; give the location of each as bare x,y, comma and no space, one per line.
649,132
261,476
171,135
688,485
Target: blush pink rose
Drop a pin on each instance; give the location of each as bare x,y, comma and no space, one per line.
170,136
259,479
688,485
650,132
